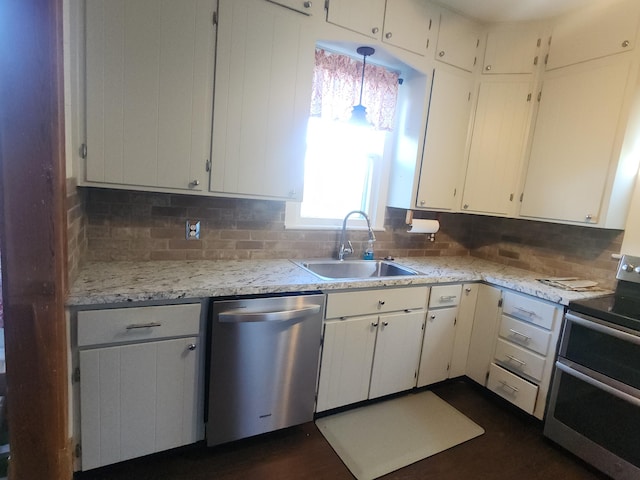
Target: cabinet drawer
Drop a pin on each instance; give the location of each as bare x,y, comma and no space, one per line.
530,310
513,388
120,325
347,304
525,334
519,360
445,295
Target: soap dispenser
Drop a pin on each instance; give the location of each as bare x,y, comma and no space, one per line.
368,253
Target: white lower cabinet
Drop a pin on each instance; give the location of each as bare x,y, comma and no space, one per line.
144,394
485,322
524,351
397,353
371,344
447,333
347,358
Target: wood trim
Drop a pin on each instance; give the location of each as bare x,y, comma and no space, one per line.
33,238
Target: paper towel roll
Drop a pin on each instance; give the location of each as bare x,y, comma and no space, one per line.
424,226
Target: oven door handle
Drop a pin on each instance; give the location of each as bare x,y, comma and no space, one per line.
598,384
599,327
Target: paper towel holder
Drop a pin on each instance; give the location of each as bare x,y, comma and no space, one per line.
429,230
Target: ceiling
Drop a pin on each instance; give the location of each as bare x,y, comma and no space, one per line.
514,10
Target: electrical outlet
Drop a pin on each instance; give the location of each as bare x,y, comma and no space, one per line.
193,229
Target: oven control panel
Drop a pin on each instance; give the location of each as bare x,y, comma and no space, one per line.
629,269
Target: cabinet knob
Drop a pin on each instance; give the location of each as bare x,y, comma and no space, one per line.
388,35
191,346
380,302
487,68
374,324
385,324
465,206
307,4
588,217
195,183
422,202
625,44
433,317
441,53
375,30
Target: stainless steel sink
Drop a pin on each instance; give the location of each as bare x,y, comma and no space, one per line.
334,269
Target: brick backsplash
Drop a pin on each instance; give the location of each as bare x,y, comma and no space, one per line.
76,229
127,225
548,248
109,224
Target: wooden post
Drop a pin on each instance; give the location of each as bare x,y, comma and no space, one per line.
33,229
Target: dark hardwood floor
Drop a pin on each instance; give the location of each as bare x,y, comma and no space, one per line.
511,448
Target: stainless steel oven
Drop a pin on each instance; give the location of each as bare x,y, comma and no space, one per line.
594,407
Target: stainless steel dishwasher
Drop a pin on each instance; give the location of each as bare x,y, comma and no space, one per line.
263,365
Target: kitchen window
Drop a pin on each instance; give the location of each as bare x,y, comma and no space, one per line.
345,164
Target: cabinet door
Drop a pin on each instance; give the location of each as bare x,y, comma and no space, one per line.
138,399
149,68
497,147
483,334
264,70
308,7
464,325
411,25
397,353
347,357
457,41
362,16
574,140
437,346
511,50
445,140
594,32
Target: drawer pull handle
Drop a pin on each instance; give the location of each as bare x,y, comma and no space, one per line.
191,346
448,298
144,325
517,360
525,311
525,338
510,387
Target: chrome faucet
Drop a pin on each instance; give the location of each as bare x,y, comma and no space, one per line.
347,249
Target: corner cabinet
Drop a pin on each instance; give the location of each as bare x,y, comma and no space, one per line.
149,84
371,344
141,384
263,78
498,142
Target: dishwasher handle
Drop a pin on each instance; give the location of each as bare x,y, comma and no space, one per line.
242,316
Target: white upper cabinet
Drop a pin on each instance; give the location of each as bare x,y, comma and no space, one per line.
576,142
445,141
594,32
149,83
497,147
458,41
408,24
512,49
308,7
264,70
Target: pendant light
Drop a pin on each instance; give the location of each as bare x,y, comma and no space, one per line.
359,112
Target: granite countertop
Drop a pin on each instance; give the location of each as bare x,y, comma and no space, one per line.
101,283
